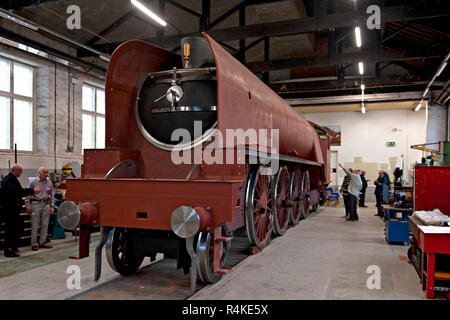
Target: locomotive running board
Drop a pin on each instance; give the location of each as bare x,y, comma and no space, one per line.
254,154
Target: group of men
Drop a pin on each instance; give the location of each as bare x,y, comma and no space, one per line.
354,187
39,202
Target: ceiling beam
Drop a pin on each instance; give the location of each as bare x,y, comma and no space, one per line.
369,98
51,51
186,9
205,19
111,27
396,32
444,95
316,85
227,14
367,55
237,7
295,26
28,4
249,46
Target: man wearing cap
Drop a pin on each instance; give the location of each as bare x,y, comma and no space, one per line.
41,205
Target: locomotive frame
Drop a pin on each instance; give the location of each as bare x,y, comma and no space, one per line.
145,204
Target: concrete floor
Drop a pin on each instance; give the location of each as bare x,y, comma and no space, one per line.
324,257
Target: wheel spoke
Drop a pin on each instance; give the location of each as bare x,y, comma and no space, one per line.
258,226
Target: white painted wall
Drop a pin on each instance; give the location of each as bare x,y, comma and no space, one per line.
365,135
45,116
437,124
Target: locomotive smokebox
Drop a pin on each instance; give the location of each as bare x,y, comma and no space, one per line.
178,98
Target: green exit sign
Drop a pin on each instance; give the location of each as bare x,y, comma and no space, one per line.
390,144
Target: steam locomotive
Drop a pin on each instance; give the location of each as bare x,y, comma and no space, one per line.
146,201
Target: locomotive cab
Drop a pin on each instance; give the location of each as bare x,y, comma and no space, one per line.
180,99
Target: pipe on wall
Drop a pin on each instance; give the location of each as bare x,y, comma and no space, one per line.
444,96
54,142
68,109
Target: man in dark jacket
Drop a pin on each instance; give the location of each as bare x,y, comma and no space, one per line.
380,184
363,190
11,198
345,194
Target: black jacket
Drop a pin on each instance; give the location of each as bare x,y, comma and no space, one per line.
381,181
12,192
364,184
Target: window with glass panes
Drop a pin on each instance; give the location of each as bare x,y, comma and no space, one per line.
16,105
93,118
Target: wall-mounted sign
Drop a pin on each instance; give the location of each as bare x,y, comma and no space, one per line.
390,144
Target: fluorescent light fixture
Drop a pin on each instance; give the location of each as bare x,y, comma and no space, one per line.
358,36
361,68
442,67
363,87
18,21
419,105
148,12
426,91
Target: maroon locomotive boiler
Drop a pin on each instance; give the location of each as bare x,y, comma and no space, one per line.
147,203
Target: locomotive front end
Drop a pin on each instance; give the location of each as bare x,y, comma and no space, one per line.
180,99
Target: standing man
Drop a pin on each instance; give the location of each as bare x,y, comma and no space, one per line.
354,187
345,196
11,197
362,199
386,188
41,205
379,183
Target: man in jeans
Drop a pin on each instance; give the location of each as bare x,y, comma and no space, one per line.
41,205
354,187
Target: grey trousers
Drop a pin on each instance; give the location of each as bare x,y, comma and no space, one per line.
40,216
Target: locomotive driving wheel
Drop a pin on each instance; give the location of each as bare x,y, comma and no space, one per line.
296,190
281,210
305,195
119,255
205,254
258,208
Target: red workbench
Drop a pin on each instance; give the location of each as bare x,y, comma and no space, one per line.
432,241
431,191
